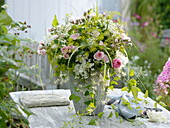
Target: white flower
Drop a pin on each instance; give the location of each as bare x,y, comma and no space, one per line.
123,58
54,46
5,6
95,33
125,37
156,117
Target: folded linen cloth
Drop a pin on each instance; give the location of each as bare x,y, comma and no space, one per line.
128,109
42,100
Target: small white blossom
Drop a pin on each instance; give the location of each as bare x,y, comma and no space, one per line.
156,117
5,6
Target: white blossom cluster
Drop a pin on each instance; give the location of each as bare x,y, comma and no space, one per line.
83,66
156,117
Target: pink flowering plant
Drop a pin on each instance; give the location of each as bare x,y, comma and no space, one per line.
91,42
163,83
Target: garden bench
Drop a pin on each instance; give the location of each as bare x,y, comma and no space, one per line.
54,117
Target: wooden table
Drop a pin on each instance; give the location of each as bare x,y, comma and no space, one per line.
56,117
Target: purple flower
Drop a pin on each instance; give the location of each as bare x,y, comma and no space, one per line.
101,43
134,23
145,24
66,56
64,50
75,36
137,16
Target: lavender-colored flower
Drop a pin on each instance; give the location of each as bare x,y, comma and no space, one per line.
101,43
75,36
64,50
134,23
54,37
66,56
145,24
106,59
41,52
137,16
95,33
49,29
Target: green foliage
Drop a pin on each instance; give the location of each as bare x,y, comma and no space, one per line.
147,41
74,97
92,122
10,48
55,21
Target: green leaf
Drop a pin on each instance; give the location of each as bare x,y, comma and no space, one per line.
76,89
113,106
158,98
87,102
100,114
86,93
162,103
132,82
110,115
135,92
88,86
124,89
5,19
111,87
92,122
132,73
146,94
74,97
55,21
155,104
92,105
113,82
117,114
116,78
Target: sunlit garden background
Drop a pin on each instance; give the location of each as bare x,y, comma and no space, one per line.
147,23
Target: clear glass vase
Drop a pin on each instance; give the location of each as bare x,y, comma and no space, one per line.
91,91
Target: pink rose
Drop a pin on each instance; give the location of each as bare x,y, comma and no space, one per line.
116,63
41,52
106,59
98,55
75,36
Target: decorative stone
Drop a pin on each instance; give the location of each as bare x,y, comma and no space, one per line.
43,100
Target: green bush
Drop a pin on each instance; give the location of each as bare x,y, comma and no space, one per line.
10,48
148,17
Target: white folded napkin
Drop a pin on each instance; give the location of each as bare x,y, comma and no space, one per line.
42,100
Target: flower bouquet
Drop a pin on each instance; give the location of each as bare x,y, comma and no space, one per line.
87,50
163,84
